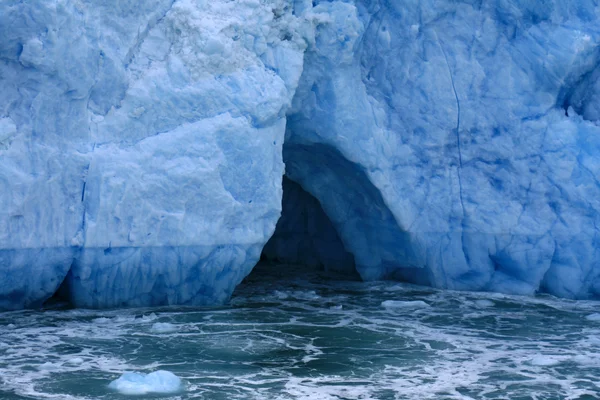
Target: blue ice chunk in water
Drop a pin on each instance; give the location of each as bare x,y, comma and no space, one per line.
134,383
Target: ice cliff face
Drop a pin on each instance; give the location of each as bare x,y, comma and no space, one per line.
141,146
454,144
457,143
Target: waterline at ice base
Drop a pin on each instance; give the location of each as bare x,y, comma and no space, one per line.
152,152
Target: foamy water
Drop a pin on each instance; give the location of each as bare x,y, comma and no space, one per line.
291,335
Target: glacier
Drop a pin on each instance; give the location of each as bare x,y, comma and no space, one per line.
456,144
141,153
143,145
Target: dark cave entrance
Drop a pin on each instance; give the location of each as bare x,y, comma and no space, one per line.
306,238
60,299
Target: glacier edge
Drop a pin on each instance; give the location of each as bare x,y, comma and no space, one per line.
450,144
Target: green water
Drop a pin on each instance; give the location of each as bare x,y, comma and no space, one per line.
289,334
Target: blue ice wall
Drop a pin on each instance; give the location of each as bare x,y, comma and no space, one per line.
140,146
304,234
450,143
471,129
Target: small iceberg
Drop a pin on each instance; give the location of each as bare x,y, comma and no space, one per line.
163,327
134,383
544,361
593,317
404,305
484,303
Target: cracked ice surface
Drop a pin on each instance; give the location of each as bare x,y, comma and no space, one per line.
451,118
140,146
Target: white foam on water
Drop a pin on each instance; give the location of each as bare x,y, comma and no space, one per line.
424,344
45,347
135,383
329,388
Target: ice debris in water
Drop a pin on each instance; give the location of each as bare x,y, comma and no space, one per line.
48,366
484,303
405,305
75,361
163,327
593,317
134,383
544,361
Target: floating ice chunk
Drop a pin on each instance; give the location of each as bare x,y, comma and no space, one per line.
297,294
47,366
75,361
163,327
150,317
593,317
404,305
305,295
583,359
133,383
484,303
544,361
281,295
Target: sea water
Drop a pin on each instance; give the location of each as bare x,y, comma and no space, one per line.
289,333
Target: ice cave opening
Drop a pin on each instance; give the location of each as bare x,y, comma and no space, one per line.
60,299
305,236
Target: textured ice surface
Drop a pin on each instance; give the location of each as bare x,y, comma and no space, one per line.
454,144
140,146
133,383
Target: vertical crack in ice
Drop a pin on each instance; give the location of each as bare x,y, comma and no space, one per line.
458,146
83,218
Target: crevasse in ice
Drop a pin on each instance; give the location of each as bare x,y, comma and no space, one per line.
454,144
